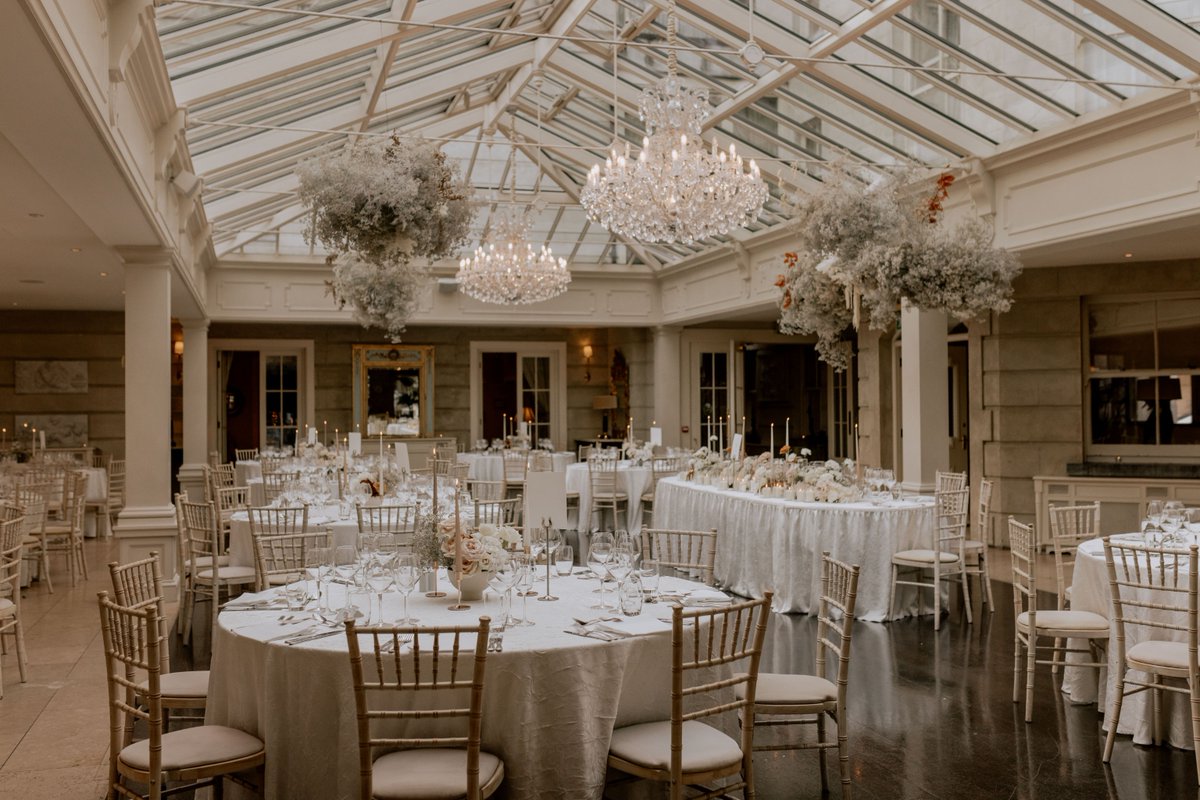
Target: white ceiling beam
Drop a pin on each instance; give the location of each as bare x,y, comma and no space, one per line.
233,76
281,218
381,67
887,103
452,74
1151,26
566,22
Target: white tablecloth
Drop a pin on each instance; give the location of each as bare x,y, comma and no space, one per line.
245,471
631,480
764,543
490,466
551,699
1090,592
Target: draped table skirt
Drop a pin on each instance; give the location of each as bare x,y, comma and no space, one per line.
774,544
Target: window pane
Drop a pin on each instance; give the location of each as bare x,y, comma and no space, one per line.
1117,415
288,370
272,372
706,372
721,370
1179,333
1122,335
288,404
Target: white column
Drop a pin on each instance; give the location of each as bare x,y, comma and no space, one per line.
667,391
195,407
923,365
148,521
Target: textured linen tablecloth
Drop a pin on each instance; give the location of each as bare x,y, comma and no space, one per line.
765,543
245,471
1090,592
631,479
490,466
551,699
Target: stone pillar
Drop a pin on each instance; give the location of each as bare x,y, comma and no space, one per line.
667,391
195,407
148,520
923,364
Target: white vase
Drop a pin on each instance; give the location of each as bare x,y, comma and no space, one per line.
472,585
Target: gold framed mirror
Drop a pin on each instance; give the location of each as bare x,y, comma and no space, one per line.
393,389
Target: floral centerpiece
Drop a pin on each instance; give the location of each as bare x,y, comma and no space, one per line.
376,207
865,247
317,452
639,453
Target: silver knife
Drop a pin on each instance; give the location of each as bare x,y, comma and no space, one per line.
312,637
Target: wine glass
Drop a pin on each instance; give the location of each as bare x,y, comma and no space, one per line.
406,572
1154,512
318,563
505,573
524,566
1191,521
378,573
887,479
649,574
599,553
631,543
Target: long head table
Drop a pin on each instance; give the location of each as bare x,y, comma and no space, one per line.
773,544
551,699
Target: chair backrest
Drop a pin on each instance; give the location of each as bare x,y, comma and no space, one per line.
1022,544
214,458
132,648
983,511
835,618
429,662
201,530
516,465
283,555
100,460
387,519
602,475
541,461
231,498
11,533
1070,525
692,552
487,490
245,453
949,481
702,639
116,483
499,512
274,482
1153,588
139,585
34,498
12,528
665,467
584,452
276,521
951,507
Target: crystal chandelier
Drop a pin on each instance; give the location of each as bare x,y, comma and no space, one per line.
676,190
507,269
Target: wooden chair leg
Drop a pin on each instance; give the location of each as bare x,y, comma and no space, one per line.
986,577
822,759
966,592
1030,668
937,599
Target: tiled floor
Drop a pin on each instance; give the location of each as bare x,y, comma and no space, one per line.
931,714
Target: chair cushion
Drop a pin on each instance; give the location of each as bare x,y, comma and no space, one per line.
649,745
925,556
430,774
1164,655
789,690
229,574
283,579
191,683
205,561
972,544
193,747
1085,623
610,496
7,609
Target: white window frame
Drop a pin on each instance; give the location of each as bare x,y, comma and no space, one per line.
557,352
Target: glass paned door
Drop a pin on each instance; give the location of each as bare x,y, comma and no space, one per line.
281,396
714,397
535,397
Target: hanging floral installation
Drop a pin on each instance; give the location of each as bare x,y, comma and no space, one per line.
377,208
864,248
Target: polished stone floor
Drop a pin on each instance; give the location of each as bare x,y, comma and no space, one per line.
931,714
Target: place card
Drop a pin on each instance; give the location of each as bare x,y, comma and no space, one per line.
545,498
355,444
655,435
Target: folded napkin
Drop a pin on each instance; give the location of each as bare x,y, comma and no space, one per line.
632,626
269,598
702,598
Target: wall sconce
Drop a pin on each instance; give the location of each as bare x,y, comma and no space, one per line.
178,347
587,357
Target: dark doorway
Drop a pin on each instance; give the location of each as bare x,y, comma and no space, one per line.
241,400
499,393
785,381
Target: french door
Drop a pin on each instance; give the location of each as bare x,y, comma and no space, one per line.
519,387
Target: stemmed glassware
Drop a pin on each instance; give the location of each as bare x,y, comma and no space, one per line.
524,566
506,571
406,571
599,552
318,564
648,572
1154,512
378,574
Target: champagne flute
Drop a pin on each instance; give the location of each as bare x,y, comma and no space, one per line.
524,567
318,562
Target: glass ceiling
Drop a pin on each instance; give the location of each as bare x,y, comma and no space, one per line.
872,83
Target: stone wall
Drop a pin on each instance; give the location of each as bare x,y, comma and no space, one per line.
1027,401
96,337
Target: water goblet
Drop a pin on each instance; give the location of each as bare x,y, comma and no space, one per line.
505,573
1154,512
649,574
599,554
406,572
379,577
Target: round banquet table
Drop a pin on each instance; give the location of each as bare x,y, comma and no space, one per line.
631,479
490,466
241,547
551,699
773,544
1090,592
